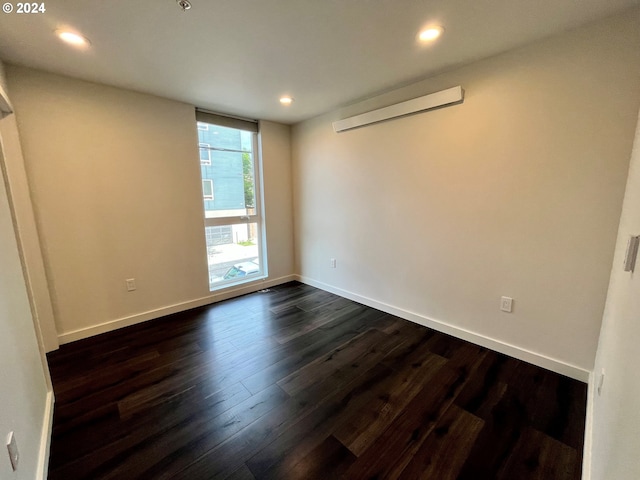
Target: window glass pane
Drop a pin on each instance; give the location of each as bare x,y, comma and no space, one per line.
228,161
232,252
205,154
233,227
207,189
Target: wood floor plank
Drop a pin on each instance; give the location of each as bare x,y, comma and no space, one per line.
498,437
485,389
121,434
543,397
388,456
360,431
74,439
81,385
411,351
295,298
196,395
445,450
215,433
162,378
300,438
292,422
318,300
308,347
143,448
539,457
240,447
76,452
328,314
243,473
184,373
572,403
324,366
327,461
188,441
341,373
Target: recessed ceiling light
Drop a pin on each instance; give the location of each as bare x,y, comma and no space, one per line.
286,100
430,33
73,38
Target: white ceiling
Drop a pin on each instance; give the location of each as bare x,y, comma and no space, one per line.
240,56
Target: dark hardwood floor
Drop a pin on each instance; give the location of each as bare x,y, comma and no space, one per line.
295,382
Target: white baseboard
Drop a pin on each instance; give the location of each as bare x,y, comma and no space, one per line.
588,428
45,438
538,359
231,292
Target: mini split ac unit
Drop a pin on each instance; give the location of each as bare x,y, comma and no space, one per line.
443,98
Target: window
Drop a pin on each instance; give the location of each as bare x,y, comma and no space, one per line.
233,224
205,153
207,189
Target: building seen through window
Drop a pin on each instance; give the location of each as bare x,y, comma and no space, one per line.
231,205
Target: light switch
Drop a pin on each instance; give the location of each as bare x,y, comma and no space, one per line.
632,253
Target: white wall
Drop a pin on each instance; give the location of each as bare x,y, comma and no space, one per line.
25,405
515,192
275,144
616,413
115,183
28,238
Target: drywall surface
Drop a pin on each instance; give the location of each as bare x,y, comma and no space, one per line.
616,418
515,192
23,396
115,183
37,286
275,145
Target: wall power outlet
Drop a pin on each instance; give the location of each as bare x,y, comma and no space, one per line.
131,284
506,304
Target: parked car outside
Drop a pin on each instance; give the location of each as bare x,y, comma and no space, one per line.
242,269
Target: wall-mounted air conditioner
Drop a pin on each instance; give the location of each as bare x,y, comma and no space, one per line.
450,96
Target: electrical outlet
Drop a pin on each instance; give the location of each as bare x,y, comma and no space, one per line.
333,263
131,284
506,304
12,447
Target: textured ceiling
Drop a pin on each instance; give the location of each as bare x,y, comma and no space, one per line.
240,56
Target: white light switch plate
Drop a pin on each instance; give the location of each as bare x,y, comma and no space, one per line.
632,253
